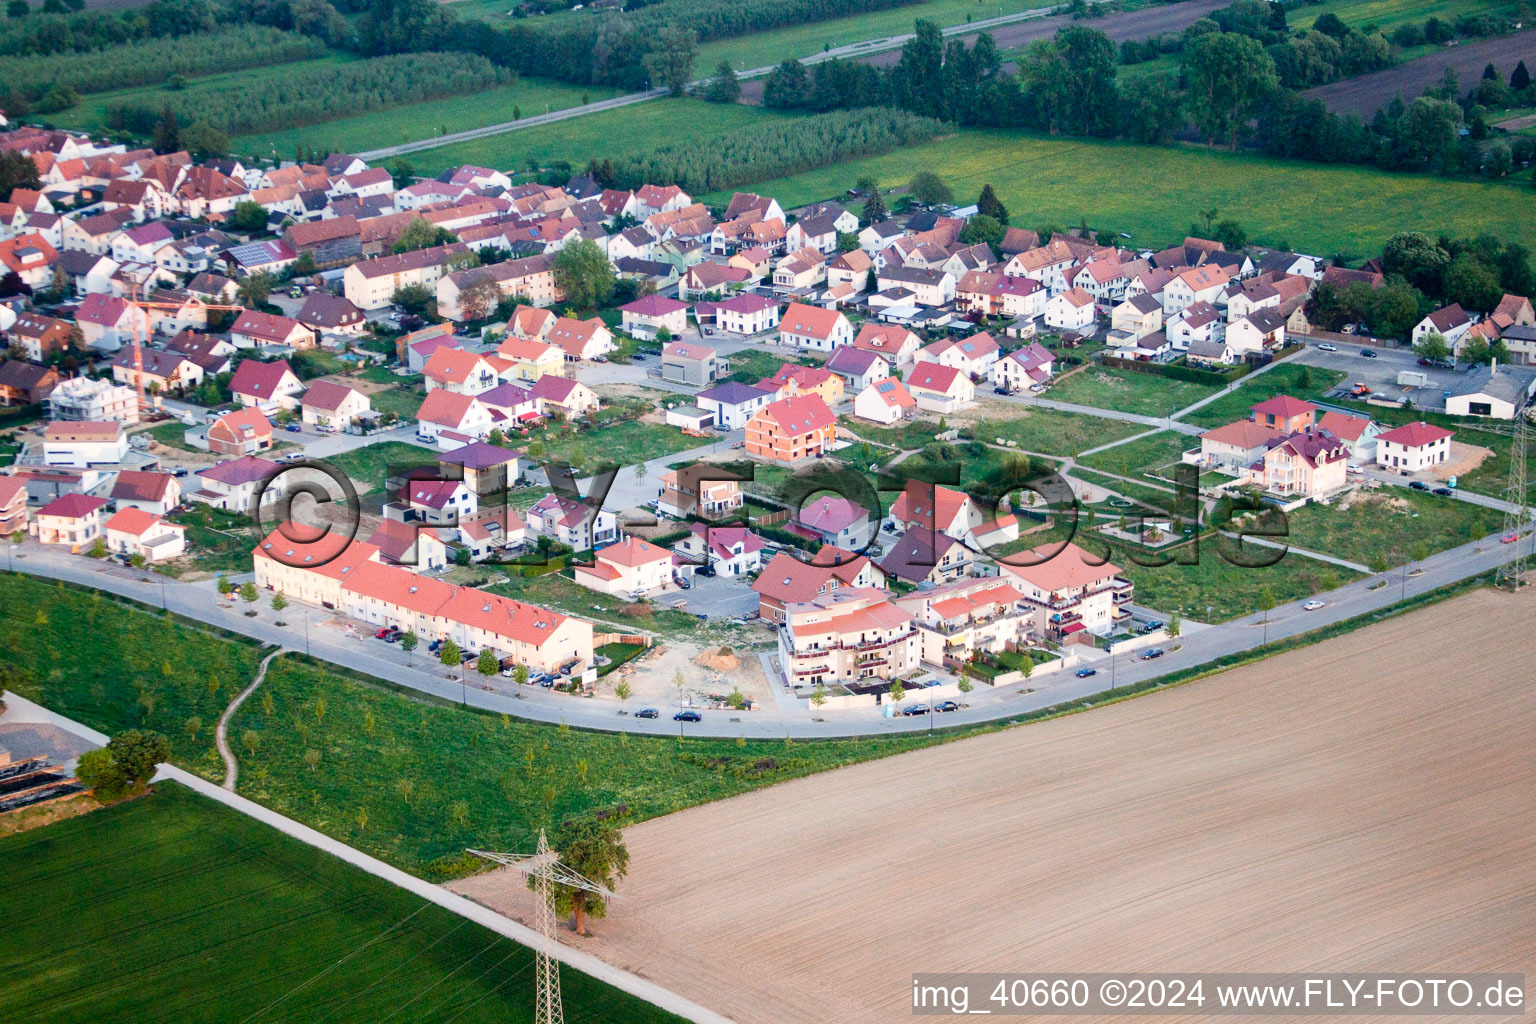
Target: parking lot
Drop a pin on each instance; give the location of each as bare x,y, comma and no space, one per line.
1380,374
719,597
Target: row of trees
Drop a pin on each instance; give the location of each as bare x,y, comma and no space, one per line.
153,61
321,93
763,152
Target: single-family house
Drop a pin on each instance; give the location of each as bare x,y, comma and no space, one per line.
732,403
74,519
23,383
791,429
859,367
329,404
974,356
688,363
835,520
254,329
84,444
239,484
941,389
327,314
811,327
1413,447
1071,310
243,432
921,556
629,568
572,523
107,322
268,386
1450,322
450,419
793,380
895,343
531,358
729,550
1023,367
460,371
885,402
580,339
155,493
569,399
647,316
133,532
747,313
699,489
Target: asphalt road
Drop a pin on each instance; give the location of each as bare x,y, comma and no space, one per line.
1196,647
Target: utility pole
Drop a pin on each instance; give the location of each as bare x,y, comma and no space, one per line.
1517,512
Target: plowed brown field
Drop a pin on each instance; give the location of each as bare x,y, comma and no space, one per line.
1368,803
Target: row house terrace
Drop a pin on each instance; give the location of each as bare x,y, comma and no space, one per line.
958,620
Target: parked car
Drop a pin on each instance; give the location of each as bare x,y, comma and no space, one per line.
1152,652
1509,538
1368,353
1084,673
687,716
434,646
1312,605
946,705
1444,492
915,709
647,713
468,656
1418,485
394,636
293,428
1327,347
380,634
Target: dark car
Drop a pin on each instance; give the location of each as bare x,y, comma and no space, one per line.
647,713
294,428
687,716
1444,492
915,709
1084,673
394,636
434,646
706,570
1151,653
1418,485
946,705
468,656
1367,353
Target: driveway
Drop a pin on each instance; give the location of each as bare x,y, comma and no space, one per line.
719,597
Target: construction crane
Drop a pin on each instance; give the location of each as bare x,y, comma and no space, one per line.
138,342
544,868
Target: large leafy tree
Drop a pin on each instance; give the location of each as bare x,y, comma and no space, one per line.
584,274
16,171
596,851
1230,77
725,87
671,61
1088,62
421,233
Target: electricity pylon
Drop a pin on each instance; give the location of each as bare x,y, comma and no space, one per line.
1517,514
544,867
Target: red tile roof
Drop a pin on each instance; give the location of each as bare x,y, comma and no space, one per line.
1415,435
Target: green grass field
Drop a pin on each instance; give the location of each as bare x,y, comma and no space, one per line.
1310,207
368,466
1051,432
1295,379
1146,394
606,135
1155,453
1388,14
430,777
172,907
625,444
1390,525
528,96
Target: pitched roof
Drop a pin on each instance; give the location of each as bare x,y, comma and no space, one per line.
732,393
260,380
915,555
1415,435
133,521
244,470
139,485
892,393
928,505
812,321
932,377
632,551
831,514
479,455
445,408
1283,406
327,395
799,415
243,423
1068,568
1243,434
72,506
265,326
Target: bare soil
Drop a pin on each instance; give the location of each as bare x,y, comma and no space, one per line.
1368,803
1464,459
1368,93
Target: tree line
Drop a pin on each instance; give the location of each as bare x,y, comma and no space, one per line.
764,152
319,94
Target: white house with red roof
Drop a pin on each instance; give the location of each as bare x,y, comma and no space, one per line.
329,404
650,314
631,568
155,493
744,314
237,485
1413,447
255,329
133,532
835,520
1072,310
267,386
885,402
944,510
439,502
731,550
580,339
451,420
412,546
1450,322
107,322
568,398
1023,367
74,519
973,356
1358,432
811,327
459,371
572,523
242,432
940,389
1070,591
892,342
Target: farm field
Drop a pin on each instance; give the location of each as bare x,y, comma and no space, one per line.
786,914
607,135
1365,94
1388,14
1146,394
405,124
1295,379
223,916
1308,207
430,778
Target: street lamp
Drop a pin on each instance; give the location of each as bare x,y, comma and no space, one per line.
306,632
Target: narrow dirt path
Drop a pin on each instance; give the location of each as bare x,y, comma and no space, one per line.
221,737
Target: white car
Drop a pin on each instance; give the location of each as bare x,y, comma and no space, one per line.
1312,605
1327,347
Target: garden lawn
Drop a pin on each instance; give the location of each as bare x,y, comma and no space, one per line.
1156,455
433,778
1295,379
1145,394
172,434
609,134
217,541
221,918
624,444
1157,499
403,402
1051,432
1308,207
372,464
380,129
1385,527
